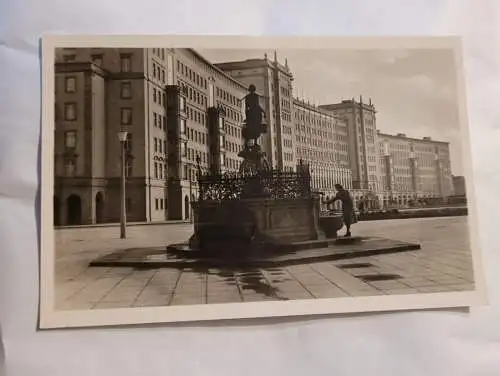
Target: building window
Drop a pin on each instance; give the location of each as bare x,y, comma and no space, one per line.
157,204
156,144
97,59
156,170
183,126
70,139
126,116
125,63
126,90
70,111
70,167
70,85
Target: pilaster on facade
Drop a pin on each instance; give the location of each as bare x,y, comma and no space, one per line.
415,177
216,139
176,138
439,175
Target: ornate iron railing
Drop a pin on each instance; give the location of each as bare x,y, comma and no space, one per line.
274,184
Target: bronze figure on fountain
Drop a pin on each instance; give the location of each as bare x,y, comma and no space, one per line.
254,160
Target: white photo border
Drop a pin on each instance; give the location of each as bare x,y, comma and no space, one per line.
50,318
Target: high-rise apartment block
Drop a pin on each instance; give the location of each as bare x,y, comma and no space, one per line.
177,108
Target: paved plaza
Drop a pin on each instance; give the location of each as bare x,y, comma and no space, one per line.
443,264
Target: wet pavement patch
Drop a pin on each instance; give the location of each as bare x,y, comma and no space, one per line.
379,277
356,265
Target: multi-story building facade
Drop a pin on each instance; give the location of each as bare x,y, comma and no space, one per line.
175,106
413,169
362,141
274,82
321,142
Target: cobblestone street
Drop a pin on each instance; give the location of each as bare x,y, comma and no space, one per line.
443,264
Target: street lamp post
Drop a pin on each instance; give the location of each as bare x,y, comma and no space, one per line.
122,136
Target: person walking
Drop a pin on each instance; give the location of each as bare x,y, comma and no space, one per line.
348,214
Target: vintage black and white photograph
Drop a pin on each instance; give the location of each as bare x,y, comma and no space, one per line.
207,178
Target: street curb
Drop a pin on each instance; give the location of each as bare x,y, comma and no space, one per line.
113,225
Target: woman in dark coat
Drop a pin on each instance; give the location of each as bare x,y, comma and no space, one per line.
348,214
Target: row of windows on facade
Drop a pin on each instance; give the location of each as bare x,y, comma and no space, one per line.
230,113
201,99
160,204
325,152
286,116
70,113
319,155
192,155
420,180
286,104
192,75
125,60
159,52
201,138
159,73
228,97
288,157
192,94
408,147
159,97
315,121
160,146
232,130
317,132
285,91
70,167
325,143
70,87
423,160
285,129
70,140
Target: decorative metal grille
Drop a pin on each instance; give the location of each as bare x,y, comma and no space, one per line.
274,184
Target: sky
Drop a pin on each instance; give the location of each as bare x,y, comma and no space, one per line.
413,90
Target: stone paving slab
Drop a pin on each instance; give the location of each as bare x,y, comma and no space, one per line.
158,257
